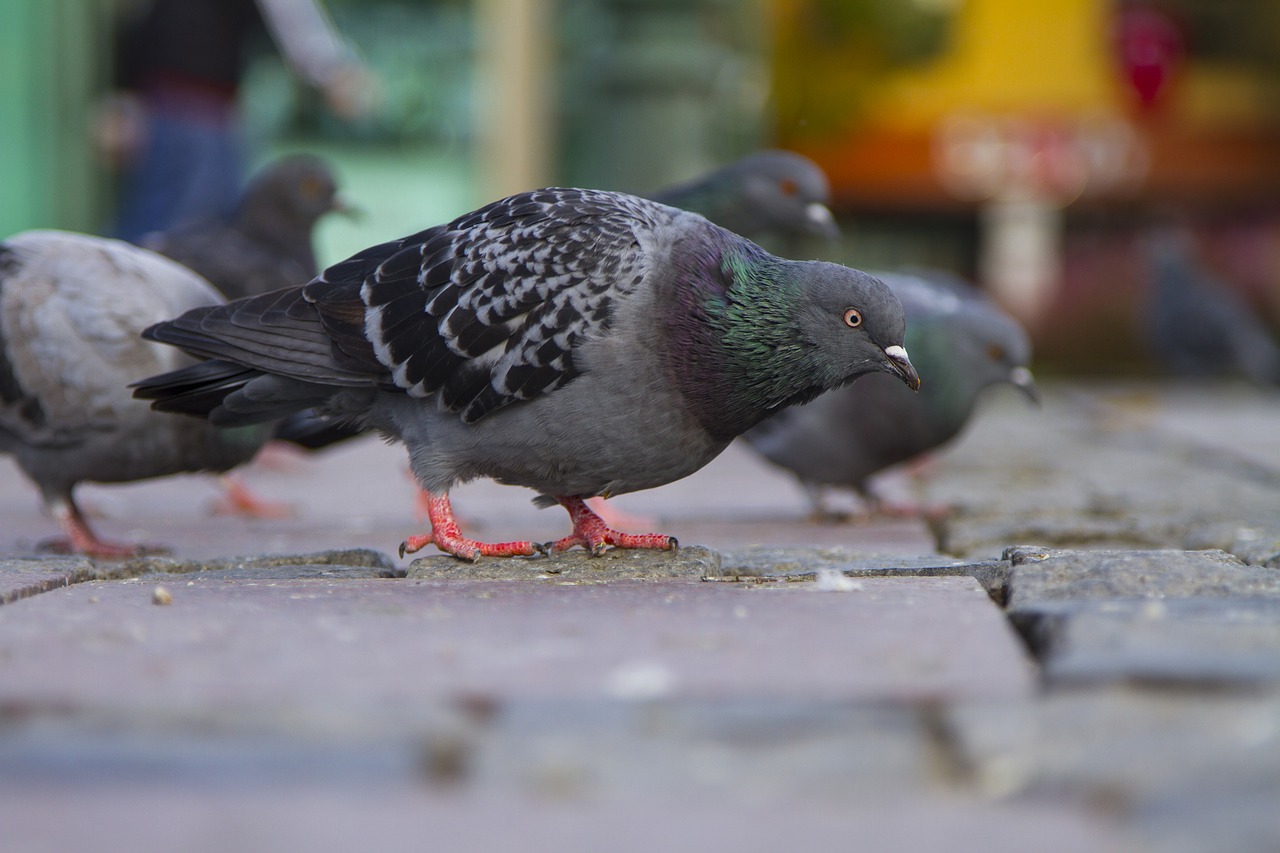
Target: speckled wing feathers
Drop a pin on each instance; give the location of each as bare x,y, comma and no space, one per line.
489,309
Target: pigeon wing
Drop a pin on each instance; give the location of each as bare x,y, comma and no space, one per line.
491,308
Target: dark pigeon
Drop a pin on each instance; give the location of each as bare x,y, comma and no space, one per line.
72,308
576,342
1196,325
767,194
267,243
961,342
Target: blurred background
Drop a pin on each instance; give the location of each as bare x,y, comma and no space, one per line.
1029,146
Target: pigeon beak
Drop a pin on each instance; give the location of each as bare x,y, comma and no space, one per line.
820,220
1026,383
901,365
343,205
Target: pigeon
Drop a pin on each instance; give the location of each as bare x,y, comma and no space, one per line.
72,308
1196,325
769,193
266,243
576,342
960,340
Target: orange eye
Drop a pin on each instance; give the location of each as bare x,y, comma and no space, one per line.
788,186
995,352
312,187
853,318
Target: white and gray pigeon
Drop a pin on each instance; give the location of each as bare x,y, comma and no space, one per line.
576,342
769,193
267,242
72,308
1196,325
961,341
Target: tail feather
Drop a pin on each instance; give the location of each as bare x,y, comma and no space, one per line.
195,390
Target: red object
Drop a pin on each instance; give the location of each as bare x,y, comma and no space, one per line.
1151,50
590,531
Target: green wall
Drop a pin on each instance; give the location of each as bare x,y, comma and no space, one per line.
52,67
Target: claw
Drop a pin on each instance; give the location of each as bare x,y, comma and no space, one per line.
446,536
591,532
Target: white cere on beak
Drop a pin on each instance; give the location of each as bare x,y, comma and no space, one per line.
819,213
1021,376
896,353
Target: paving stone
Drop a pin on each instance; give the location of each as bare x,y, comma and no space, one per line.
1039,574
1094,469
1165,616
24,576
1170,763
21,577
796,564
146,819
693,562
258,649
1211,642
350,562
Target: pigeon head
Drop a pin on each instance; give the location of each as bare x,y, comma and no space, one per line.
291,193
770,193
789,192
782,332
994,348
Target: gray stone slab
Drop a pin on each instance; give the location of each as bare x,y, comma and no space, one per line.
1201,617
1210,642
150,820
1187,770
803,564
723,750
693,562
289,650
1039,575
1114,468
22,577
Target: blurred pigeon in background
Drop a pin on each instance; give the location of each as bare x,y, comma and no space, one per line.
72,309
1196,325
266,244
769,193
960,341
579,343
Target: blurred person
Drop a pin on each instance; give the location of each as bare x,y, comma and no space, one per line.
174,129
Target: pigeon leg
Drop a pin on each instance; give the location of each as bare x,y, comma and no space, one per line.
238,499
446,536
590,531
80,539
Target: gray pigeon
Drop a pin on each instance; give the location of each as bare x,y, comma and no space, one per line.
575,342
961,341
266,244
1196,325
769,193
72,308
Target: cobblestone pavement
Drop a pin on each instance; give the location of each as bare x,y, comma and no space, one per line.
1081,654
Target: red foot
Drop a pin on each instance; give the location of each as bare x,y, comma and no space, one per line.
590,531
446,536
81,540
237,499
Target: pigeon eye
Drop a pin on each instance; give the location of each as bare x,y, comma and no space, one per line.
853,318
995,352
788,186
312,187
